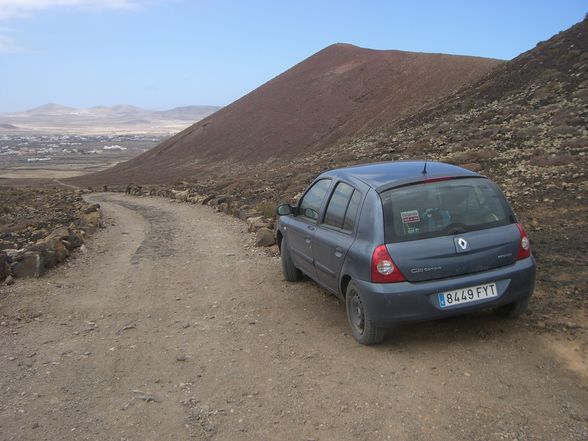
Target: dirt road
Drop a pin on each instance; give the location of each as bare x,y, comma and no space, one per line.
172,328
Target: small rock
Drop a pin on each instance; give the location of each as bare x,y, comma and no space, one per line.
264,237
92,208
148,398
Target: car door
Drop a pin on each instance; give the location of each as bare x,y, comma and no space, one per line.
303,226
335,234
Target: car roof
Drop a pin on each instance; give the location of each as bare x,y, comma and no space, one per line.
385,175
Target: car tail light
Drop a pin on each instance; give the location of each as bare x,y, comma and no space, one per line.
524,244
384,270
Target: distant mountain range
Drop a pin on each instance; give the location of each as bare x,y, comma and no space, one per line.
55,118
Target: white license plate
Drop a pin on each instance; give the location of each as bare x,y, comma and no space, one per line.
467,295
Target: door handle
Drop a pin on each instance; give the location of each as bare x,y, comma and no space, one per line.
338,252
311,227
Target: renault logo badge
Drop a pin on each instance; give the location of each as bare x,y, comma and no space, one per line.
461,245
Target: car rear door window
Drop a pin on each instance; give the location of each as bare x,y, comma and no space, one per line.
342,207
349,221
311,202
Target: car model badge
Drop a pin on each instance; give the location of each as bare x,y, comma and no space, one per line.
462,243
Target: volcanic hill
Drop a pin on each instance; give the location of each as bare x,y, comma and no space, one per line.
334,95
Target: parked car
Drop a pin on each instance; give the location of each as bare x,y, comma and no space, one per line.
408,241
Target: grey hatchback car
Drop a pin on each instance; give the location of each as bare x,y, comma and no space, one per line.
408,241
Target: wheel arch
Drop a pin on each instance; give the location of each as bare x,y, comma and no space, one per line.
344,284
279,237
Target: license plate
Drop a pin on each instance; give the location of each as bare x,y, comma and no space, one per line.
467,295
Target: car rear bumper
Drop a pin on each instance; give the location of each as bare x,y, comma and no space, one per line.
395,303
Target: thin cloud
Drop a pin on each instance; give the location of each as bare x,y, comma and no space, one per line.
8,45
11,10
24,8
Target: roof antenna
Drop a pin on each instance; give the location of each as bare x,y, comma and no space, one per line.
424,172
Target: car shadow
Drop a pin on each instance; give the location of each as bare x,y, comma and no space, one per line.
482,325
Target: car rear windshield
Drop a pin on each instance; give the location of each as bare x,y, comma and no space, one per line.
441,208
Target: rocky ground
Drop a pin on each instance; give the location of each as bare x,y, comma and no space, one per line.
40,228
173,326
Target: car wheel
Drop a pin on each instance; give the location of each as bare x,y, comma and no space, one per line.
291,273
362,327
512,310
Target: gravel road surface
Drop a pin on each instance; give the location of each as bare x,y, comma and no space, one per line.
172,327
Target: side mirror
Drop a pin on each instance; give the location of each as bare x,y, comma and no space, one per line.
284,210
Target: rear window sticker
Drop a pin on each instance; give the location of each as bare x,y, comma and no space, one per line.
409,217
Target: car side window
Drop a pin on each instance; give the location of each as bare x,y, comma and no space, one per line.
312,201
338,205
349,221
342,209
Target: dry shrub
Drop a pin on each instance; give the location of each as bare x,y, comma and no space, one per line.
416,148
553,160
565,130
267,209
528,132
560,118
575,143
474,155
569,57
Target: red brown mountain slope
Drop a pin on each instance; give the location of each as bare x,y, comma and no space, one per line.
336,94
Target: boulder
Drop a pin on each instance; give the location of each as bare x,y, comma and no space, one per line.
92,220
56,246
49,256
207,199
61,233
13,254
245,213
134,190
181,196
264,237
50,259
31,265
258,222
75,239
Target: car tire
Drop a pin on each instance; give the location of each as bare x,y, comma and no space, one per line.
362,327
291,273
512,310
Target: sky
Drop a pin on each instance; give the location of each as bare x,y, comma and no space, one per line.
160,54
